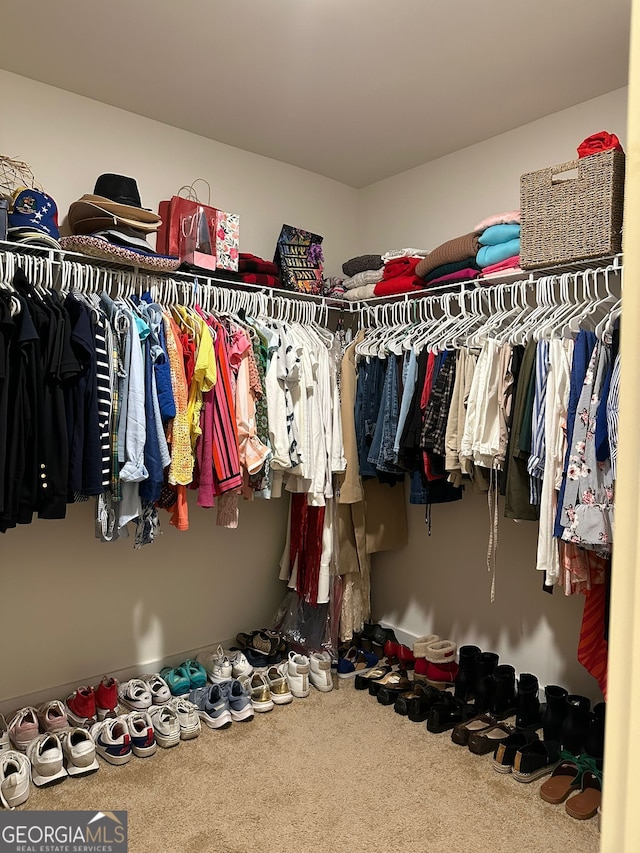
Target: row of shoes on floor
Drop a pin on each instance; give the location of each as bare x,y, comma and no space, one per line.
115,721
485,694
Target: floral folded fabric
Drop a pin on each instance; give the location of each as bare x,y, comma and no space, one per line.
498,219
489,255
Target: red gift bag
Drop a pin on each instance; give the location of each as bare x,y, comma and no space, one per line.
169,240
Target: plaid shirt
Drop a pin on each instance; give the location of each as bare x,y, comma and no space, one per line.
434,425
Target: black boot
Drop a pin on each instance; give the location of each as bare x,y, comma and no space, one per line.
595,739
485,683
465,680
555,712
503,702
575,728
528,708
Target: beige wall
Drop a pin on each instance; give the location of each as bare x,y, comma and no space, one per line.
74,608
69,140
440,583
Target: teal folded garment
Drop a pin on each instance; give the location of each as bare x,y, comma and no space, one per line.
499,234
494,254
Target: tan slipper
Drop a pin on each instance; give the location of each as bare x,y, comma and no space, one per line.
584,805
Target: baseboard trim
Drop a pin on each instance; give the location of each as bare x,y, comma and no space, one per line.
61,691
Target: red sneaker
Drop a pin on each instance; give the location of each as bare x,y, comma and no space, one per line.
106,698
81,707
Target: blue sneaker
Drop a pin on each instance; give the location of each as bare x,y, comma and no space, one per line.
239,699
212,705
356,662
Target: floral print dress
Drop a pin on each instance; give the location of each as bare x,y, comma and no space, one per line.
587,512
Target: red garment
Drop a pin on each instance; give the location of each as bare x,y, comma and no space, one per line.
400,266
261,279
602,141
400,284
252,263
307,523
592,646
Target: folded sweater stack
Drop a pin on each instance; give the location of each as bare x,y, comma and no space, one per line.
499,243
255,270
452,261
399,276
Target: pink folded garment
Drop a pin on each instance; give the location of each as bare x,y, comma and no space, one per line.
512,263
506,218
399,284
461,275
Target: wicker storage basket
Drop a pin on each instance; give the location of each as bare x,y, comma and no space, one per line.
574,219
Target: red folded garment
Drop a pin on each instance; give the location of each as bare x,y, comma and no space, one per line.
399,284
460,275
400,266
252,263
261,278
602,141
508,264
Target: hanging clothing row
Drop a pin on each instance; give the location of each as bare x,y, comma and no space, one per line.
135,397
510,390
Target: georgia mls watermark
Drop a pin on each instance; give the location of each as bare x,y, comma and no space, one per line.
63,832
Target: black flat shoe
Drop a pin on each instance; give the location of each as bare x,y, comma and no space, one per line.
447,713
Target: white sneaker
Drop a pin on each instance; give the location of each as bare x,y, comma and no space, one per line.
217,664
239,664
143,738
45,755
187,714
298,675
279,684
166,725
53,716
112,739
5,743
79,752
23,728
135,695
15,775
320,671
158,687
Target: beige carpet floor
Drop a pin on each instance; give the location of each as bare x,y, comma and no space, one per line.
334,772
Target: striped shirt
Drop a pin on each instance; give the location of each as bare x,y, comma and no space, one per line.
535,465
613,401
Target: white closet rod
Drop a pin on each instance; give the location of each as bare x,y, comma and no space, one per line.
41,271
46,261
569,288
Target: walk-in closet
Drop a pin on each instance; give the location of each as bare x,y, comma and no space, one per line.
300,545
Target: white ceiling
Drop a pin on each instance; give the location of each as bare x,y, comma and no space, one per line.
356,90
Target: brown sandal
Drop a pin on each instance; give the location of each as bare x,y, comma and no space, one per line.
584,805
564,779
